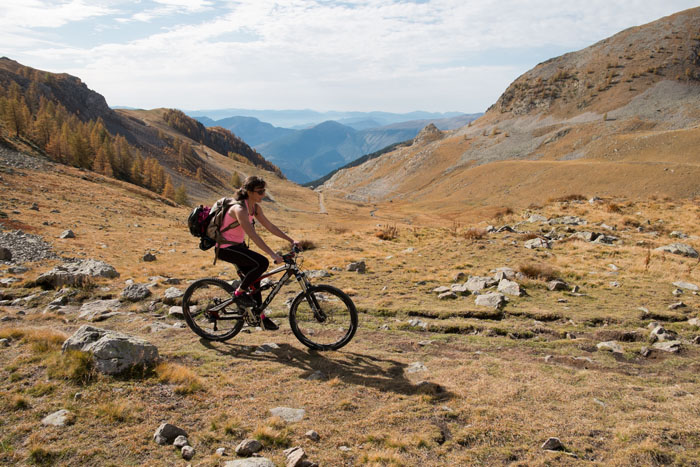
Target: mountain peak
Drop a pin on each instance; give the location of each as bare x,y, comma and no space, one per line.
428,134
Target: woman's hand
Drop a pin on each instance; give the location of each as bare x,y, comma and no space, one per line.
277,258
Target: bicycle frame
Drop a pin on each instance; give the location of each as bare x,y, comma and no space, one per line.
290,269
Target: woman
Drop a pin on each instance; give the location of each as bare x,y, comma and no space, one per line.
234,250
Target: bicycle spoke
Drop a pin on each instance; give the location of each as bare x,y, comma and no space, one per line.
209,309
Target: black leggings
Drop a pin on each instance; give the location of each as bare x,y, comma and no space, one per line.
251,264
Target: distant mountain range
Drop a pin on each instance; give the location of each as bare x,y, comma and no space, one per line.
308,154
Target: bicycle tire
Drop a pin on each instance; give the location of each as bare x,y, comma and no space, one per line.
197,318
323,335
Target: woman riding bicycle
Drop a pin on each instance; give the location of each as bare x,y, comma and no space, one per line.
250,263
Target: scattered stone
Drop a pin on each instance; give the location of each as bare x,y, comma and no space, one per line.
61,418
221,452
536,218
505,273
312,435
344,448
295,456
135,293
614,284
447,296
4,342
176,312
149,257
492,300
537,243
416,323
696,340
594,200
668,346
171,281
76,274
35,207
440,290
173,296
251,462
98,310
677,305
180,442
548,358
67,234
694,322
606,239
187,452
477,283
317,375
552,444
687,286
359,267
567,220
460,289
575,289
269,347
167,433
586,236
677,234
415,367
677,292
319,274
248,447
679,249
645,352
288,414
112,352
610,346
660,334
509,287
557,284
459,277
17,270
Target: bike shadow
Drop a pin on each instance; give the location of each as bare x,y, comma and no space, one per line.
385,375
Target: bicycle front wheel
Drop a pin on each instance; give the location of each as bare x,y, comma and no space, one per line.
323,318
210,311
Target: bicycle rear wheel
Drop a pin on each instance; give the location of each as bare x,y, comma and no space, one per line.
323,318
210,311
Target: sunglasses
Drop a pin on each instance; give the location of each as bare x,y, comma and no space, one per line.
260,192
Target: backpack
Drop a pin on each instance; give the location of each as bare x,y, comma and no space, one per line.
205,223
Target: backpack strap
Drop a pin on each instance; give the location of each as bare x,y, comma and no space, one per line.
232,225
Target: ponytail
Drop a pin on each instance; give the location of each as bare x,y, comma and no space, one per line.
249,184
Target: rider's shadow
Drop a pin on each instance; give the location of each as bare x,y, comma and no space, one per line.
352,368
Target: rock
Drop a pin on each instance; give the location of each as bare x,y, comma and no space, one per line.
552,444
135,293
687,286
668,346
187,452
17,270
149,257
677,292
269,347
4,342
567,220
428,388
248,447
505,273
5,254
441,289
173,296
659,334
312,435
221,452
251,462
319,274
459,277
557,284
288,414
98,310
460,289
447,296
492,300
112,352
295,456
477,283
594,200
606,239
60,418
586,236
416,323
610,346
180,442
677,234
677,305
415,367
317,375
167,433
76,274
358,266
67,234
176,312
536,218
679,249
694,322
537,243
510,288
35,207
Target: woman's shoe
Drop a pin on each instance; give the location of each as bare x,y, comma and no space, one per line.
268,324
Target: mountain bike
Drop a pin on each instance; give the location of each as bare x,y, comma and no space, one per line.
322,317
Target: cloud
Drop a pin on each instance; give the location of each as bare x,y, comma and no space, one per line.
47,14
354,54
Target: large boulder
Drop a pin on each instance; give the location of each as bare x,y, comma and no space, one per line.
492,300
112,352
679,249
76,274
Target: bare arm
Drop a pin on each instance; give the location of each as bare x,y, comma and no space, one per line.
272,228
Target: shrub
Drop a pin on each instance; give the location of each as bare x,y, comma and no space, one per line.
612,207
502,212
387,233
474,234
115,412
306,245
274,433
538,271
188,382
73,365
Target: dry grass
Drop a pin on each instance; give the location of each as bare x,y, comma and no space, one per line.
474,234
186,381
72,365
274,432
538,271
567,198
388,232
119,411
306,244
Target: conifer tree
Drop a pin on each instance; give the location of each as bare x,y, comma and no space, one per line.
168,190
181,195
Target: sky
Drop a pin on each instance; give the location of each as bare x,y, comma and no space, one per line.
350,55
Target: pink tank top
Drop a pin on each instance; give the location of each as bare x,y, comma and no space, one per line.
236,234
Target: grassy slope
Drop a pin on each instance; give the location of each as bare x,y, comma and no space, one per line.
501,400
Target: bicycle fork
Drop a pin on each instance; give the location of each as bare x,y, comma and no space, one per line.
311,298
